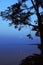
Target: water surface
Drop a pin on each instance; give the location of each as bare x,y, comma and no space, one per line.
12,54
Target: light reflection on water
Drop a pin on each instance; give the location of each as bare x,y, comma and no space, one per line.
14,53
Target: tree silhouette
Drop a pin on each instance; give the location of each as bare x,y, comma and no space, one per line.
20,15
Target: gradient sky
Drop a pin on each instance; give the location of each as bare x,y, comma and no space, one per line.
6,31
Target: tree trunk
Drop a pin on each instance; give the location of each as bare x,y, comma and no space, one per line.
40,29
40,26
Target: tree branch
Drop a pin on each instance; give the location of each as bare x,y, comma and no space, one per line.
33,5
33,25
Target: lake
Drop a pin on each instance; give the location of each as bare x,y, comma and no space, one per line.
12,54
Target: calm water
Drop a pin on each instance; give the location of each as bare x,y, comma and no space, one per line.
13,54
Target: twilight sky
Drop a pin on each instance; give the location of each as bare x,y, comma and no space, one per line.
6,31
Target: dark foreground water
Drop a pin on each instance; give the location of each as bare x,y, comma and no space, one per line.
13,54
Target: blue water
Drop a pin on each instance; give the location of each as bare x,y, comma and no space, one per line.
12,54
18,40
14,49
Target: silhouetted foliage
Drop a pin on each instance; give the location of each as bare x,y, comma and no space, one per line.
35,59
20,15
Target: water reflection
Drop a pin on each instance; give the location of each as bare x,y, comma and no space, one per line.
13,54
